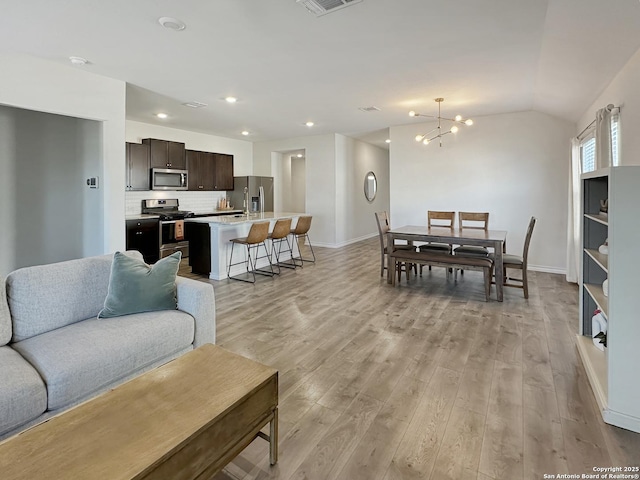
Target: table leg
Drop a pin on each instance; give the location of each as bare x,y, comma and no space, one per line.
499,270
273,438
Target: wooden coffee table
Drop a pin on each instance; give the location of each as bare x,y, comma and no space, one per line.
184,420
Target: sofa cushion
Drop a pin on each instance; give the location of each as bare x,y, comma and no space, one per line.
5,316
23,395
46,297
135,287
79,360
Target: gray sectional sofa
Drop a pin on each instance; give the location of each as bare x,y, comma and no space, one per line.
56,353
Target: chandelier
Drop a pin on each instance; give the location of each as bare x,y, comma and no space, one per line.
437,132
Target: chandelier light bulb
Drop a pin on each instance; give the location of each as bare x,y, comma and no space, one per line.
419,138
458,118
454,129
412,113
426,141
468,122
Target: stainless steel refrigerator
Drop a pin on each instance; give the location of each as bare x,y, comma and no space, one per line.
260,191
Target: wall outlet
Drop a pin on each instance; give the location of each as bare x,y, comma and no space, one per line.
93,182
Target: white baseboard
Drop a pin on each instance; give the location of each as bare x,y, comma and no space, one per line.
541,268
344,244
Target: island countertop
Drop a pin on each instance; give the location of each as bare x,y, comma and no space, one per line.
242,219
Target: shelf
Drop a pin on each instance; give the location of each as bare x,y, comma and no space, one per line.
595,291
595,364
599,258
603,219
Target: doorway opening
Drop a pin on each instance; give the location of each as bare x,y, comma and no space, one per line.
290,180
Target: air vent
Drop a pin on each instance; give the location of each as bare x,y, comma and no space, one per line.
195,104
322,7
369,109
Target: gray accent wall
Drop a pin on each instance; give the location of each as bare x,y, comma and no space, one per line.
49,213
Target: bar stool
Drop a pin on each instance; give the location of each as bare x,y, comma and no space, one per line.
280,234
256,237
302,230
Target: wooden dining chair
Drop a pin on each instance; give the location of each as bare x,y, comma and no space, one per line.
382,219
438,219
472,221
518,263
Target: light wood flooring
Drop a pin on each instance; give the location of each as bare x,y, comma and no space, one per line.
422,381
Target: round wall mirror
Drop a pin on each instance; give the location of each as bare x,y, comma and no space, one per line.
370,186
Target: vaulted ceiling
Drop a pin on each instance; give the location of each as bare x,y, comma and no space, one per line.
286,66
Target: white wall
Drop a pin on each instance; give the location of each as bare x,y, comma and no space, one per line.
39,85
359,158
298,184
622,91
320,179
335,167
512,165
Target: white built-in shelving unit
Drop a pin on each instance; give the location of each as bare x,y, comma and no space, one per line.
615,373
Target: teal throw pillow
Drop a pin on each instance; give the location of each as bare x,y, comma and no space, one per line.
136,287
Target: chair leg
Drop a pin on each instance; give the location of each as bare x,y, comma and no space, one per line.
382,264
276,254
487,283
525,283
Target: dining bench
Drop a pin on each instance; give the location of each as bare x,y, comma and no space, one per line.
484,264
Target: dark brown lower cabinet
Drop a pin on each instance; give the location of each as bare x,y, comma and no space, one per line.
199,236
144,236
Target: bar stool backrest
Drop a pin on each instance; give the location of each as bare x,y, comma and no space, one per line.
303,225
282,228
258,233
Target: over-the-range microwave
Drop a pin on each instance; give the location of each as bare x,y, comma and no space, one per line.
168,179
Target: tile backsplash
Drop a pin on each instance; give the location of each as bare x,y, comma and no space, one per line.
197,202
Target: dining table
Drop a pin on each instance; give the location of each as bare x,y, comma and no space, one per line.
495,239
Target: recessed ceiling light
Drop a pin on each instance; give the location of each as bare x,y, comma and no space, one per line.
299,155
231,99
309,124
78,60
245,133
172,23
161,115
388,140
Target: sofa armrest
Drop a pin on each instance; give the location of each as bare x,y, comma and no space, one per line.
6,328
198,300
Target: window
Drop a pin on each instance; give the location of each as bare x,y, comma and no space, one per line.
615,140
588,153
588,146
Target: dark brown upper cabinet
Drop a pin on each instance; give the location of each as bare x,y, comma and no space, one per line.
166,154
138,158
223,176
201,170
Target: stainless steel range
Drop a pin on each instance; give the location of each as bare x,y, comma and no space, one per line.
172,237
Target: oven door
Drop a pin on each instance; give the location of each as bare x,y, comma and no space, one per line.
168,242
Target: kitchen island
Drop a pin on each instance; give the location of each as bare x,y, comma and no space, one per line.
210,246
